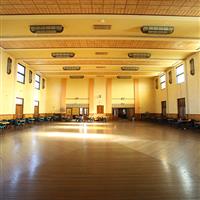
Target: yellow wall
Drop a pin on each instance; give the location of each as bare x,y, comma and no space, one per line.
190,89
120,88
10,89
53,95
77,88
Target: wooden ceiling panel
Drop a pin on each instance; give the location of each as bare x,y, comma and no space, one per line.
90,43
120,7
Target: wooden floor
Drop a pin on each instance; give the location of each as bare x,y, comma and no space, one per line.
106,161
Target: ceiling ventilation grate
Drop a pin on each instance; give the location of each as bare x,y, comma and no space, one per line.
124,77
129,68
139,55
62,54
76,77
46,28
100,67
71,68
157,29
101,53
102,27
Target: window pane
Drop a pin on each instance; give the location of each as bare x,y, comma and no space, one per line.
19,101
163,85
181,78
20,78
81,111
20,69
36,103
162,78
179,70
37,78
37,85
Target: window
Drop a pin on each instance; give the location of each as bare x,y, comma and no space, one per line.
81,111
37,81
43,83
21,73
156,82
19,101
36,103
163,81
192,68
30,76
9,65
170,77
180,76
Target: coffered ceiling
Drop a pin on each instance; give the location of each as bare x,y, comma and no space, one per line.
100,52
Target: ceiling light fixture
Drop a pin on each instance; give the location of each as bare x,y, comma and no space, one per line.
139,55
71,68
124,77
157,29
76,77
63,54
129,68
46,28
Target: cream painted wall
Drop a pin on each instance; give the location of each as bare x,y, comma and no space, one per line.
53,95
190,89
122,88
99,93
10,89
146,95
77,88
193,85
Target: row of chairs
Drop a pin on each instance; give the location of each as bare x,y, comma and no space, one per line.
179,123
6,124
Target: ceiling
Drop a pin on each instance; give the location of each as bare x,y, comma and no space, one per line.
114,7
79,36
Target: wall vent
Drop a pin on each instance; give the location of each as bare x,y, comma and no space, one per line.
102,27
76,77
124,77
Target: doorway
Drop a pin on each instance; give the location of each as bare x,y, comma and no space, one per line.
181,108
123,113
19,108
163,109
36,109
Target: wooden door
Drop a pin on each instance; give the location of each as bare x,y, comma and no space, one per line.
181,108
36,111
164,108
19,111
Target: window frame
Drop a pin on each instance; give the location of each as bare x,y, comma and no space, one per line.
24,75
178,75
37,81
163,82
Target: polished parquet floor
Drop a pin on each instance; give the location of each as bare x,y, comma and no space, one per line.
100,161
